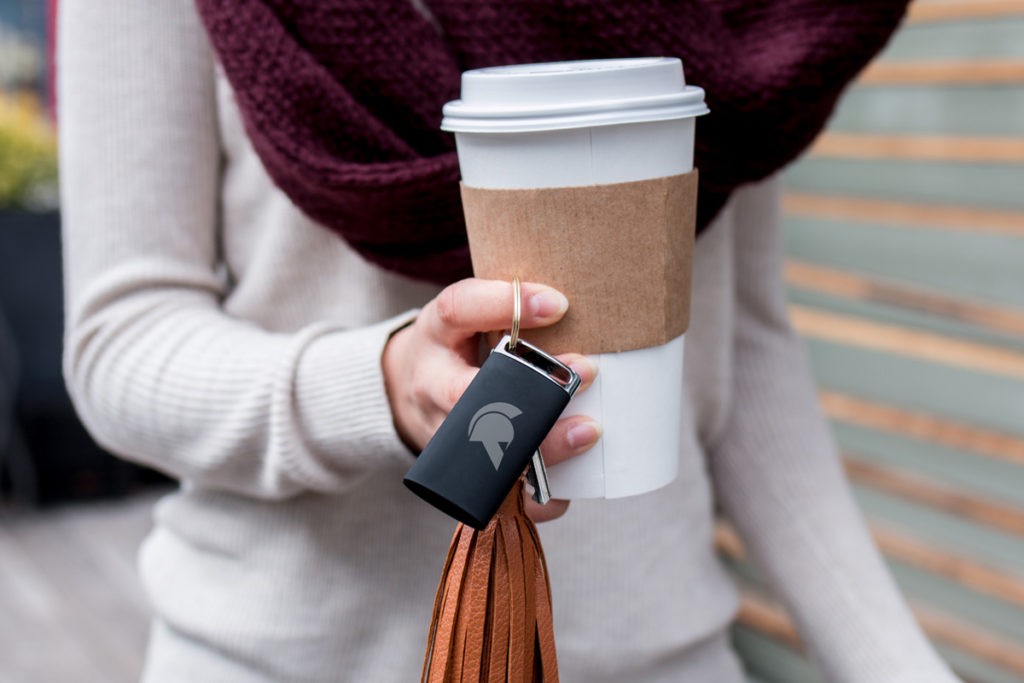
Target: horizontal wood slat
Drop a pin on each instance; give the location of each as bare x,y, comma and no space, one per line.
969,573
1002,585
923,426
928,346
939,164
940,217
919,490
987,72
767,617
860,287
963,10
968,638
938,148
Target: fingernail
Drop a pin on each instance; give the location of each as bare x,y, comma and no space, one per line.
548,304
584,366
583,434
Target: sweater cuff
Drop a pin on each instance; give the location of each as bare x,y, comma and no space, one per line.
342,406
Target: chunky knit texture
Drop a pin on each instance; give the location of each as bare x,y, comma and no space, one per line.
342,98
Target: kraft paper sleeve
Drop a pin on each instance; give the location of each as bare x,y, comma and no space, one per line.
622,253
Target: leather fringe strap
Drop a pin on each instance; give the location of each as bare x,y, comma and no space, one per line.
492,615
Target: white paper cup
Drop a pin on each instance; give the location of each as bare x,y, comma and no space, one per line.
570,124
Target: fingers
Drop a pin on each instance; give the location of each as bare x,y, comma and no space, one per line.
423,380
583,366
471,306
569,437
554,509
440,392
429,364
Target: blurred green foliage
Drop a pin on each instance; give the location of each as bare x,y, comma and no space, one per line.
28,154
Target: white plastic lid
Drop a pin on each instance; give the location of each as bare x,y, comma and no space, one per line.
579,94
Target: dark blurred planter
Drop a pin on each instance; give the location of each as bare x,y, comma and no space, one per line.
66,463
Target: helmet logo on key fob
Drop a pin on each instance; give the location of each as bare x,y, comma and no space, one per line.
523,391
492,427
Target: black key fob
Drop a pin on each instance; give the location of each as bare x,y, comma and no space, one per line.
489,437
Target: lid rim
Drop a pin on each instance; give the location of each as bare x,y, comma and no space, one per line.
691,95
532,71
573,94
536,124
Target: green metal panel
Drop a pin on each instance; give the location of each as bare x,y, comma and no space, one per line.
986,39
985,267
772,662
995,186
929,110
974,265
994,480
946,531
994,615
917,320
984,399
975,668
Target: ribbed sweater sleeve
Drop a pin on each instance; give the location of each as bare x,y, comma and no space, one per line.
777,476
157,370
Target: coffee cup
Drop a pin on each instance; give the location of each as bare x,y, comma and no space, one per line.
580,175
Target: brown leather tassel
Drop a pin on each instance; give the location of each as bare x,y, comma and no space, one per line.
492,614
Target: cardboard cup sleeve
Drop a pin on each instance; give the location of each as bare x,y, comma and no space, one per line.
622,253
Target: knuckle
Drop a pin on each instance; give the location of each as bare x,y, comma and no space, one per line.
421,395
453,392
448,306
420,392
421,386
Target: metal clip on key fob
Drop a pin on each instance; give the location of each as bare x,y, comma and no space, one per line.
494,430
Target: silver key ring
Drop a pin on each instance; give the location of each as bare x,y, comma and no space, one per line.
517,311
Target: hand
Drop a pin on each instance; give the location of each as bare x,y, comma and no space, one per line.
428,365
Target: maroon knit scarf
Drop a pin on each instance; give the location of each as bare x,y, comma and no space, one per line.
342,98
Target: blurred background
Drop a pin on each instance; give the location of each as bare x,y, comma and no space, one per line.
45,455
905,239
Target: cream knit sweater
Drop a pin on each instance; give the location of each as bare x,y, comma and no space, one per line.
215,333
